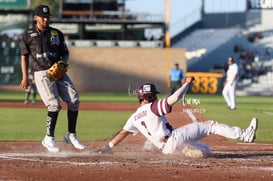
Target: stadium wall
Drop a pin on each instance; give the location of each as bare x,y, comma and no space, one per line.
117,69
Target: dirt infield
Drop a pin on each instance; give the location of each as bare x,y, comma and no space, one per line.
130,161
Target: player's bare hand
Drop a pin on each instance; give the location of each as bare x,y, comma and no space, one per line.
189,79
24,84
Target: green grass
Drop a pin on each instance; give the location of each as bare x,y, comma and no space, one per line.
85,96
247,108
29,124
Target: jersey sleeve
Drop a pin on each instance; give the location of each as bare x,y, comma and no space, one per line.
161,107
23,45
64,49
129,126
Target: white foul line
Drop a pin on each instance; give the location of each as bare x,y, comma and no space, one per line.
191,115
12,156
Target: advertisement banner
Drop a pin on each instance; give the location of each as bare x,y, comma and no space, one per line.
260,4
206,82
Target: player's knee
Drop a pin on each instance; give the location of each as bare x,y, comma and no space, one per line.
73,106
54,108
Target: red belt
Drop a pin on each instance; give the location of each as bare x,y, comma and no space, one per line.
165,139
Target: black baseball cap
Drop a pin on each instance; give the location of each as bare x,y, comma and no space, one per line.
148,88
42,11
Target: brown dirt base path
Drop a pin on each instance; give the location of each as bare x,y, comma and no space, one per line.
230,160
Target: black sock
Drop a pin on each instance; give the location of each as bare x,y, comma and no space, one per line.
72,120
51,123
34,96
27,96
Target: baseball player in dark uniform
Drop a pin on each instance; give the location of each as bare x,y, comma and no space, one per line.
41,47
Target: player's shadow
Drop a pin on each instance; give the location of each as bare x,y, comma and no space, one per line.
240,155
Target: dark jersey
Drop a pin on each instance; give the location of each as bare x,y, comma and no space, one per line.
44,49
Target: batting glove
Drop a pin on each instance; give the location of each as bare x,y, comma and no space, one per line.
104,150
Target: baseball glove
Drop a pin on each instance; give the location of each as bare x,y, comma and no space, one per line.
57,70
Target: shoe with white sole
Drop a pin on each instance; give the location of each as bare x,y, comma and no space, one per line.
249,134
71,138
50,144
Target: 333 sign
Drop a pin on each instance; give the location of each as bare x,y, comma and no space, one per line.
206,83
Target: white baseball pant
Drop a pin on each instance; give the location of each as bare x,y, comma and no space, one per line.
191,133
229,95
51,90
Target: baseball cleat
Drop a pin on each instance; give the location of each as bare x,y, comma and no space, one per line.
249,134
71,138
50,144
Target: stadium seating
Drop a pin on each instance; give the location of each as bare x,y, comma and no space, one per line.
209,48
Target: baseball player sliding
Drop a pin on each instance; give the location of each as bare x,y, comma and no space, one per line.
149,119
